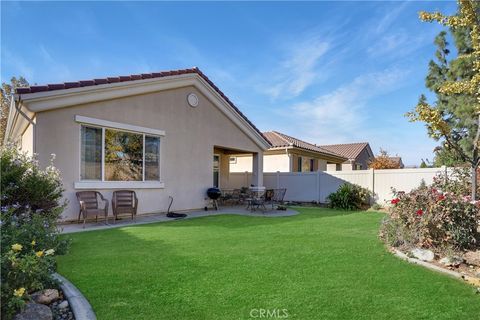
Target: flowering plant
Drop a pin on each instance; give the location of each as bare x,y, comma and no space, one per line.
30,206
439,217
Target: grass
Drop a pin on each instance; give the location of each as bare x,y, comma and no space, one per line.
321,264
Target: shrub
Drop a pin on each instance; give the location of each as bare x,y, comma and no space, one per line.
31,205
349,197
441,217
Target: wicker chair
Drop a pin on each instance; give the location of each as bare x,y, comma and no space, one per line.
124,201
89,201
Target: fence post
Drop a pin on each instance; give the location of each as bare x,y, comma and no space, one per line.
318,186
372,185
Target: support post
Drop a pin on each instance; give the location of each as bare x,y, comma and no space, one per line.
257,169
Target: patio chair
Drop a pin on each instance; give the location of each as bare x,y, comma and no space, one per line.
256,201
278,196
227,195
89,201
124,201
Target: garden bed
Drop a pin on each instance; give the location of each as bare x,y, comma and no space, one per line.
457,267
48,304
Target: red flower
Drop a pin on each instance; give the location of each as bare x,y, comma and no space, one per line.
441,197
419,212
395,201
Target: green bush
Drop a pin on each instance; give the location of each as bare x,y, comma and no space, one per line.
349,197
31,206
441,217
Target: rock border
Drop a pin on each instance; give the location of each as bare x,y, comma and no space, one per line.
403,256
81,308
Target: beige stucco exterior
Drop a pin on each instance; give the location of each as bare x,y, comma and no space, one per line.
285,160
191,135
27,140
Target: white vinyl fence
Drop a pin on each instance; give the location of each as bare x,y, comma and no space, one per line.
316,186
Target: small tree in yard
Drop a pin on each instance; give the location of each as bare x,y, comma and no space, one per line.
455,117
383,161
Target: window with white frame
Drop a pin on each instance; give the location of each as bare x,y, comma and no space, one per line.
110,154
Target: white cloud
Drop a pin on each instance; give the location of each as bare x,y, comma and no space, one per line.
298,69
56,70
389,18
341,115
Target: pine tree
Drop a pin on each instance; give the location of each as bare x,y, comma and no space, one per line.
454,119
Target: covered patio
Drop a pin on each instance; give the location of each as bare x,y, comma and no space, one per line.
222,157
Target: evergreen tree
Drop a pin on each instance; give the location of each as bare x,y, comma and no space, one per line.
454,119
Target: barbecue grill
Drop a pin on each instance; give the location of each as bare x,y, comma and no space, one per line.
214,194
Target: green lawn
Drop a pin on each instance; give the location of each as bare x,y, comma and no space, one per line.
321,264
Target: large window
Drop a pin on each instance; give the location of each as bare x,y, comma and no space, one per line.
91,153
117,155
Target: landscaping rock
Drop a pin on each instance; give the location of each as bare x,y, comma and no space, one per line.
472,258
63,304
46,296
454,261
35,311
423,254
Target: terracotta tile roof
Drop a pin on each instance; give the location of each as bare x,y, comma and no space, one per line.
133,77
348,150
280,140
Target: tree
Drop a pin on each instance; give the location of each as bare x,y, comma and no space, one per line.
423,164
383,161
7,91
455,117
446,157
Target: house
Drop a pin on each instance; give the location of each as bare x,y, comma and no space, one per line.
160,134
398,161
358,155
288,154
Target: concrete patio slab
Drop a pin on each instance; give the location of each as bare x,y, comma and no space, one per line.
161,217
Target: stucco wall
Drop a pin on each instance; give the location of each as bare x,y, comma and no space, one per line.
271,163
27,140
186,149
243,163
279,162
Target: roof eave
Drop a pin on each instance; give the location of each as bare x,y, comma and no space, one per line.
56,99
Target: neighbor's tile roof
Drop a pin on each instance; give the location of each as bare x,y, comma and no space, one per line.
348,150
133,77
279,140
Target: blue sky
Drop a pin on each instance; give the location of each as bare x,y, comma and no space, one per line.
326,72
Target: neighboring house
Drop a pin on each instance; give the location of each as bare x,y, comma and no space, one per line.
288,154
160,134
398,161
358,155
